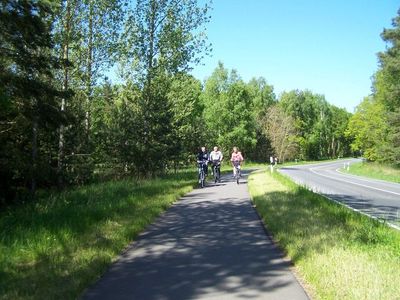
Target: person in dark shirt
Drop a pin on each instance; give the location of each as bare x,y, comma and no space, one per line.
202,159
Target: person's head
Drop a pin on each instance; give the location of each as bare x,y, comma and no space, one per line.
215,148
203,149
235,149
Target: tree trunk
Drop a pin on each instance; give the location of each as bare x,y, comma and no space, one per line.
65,50
89,86
34,155
147,107
333,148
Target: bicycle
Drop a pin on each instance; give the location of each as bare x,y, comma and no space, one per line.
217,171
236,165
202,174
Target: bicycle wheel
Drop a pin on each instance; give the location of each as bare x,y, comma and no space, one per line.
202,179
237,175
215,171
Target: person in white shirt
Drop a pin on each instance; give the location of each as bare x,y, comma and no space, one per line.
216,158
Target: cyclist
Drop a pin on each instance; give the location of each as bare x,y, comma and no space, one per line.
236,160
202,160
216,158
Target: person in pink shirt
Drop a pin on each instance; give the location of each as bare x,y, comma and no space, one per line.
236,159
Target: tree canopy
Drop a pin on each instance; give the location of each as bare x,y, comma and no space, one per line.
63,122
375,124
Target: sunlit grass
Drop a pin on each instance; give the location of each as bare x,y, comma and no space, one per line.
308,162
339,253
56,247
375,170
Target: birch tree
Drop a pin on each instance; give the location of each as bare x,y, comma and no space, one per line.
163,38
280,129
87,35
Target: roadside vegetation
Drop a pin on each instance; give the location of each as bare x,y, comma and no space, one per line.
338,253
55,247
307,162
375,170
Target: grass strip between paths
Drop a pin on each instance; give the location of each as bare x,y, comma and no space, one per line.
374,170
56,247
340,254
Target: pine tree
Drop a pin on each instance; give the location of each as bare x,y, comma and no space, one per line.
387,89
27,89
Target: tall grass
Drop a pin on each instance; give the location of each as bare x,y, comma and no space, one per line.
375,170
57,246
340,254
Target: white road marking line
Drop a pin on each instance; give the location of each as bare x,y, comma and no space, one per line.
387,222
315,190
359,184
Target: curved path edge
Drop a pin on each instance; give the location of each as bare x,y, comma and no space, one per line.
209,245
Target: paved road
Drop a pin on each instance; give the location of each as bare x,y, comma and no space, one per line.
376,198
209,245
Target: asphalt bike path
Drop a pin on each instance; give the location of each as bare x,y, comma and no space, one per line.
209,245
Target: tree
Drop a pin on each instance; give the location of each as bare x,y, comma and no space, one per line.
164,38
317,123
387,85
188,127
228,111
27,88
280,129
166,35
340,143
263,96
87,35
386,88
369,128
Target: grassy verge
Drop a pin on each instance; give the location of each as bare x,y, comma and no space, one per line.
375,170
54,248
308,162
340,254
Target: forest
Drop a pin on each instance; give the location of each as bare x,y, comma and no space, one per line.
101,89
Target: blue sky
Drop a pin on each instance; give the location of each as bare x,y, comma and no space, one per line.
328,47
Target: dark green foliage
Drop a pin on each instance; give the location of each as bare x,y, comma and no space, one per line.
388,89
394,137
321,125
29,111
375,125
231,110
154,119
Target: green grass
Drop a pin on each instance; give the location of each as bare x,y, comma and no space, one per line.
375,170
340,254
56,247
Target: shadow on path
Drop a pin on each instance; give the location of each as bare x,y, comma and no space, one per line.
209,245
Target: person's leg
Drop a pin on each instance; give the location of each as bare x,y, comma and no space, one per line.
199,171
